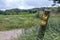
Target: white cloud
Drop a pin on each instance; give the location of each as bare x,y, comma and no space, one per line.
25,7
7,2
24,4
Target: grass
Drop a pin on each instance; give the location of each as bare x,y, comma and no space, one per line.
52,31
8,22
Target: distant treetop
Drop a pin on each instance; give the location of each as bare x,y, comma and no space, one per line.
58,1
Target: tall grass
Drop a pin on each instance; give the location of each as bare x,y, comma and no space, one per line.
29,21
8,22
52,31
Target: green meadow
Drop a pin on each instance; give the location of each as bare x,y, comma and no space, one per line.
52,30
10,22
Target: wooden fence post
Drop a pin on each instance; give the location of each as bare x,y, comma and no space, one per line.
43,25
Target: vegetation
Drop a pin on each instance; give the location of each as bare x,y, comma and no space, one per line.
17,18
8,22
28,11
17,11
30,19
52,31
58,1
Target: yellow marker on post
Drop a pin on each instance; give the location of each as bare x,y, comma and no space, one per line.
43,25
45,17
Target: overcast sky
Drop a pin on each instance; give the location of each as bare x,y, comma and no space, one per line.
24,4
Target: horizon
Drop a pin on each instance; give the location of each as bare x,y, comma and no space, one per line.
26,9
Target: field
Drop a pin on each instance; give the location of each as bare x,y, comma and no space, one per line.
8,22
26,21
52,31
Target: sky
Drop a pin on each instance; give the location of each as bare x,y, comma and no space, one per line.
24,4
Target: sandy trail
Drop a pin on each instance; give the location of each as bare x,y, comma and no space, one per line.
9,35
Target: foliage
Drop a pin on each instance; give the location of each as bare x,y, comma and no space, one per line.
8,22
52,31
58,9
17,11
29,11
58,1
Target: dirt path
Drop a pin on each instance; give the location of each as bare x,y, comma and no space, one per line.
9,35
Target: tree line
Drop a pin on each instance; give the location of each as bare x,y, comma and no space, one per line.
23,11
16,11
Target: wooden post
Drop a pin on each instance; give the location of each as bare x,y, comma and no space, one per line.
43,25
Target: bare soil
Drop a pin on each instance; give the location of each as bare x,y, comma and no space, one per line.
10,35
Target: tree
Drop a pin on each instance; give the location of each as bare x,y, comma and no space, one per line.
58,9
58,1
1,12
10,12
